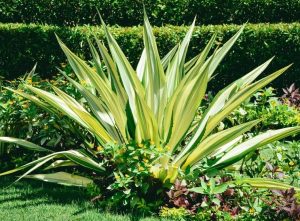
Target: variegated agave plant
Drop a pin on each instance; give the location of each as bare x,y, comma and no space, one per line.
157,101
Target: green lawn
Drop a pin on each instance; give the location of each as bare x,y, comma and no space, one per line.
29,200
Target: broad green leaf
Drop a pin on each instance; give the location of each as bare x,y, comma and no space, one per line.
155,79
221,52
220,188
117,85
182,107
215,141
92,81
76,156
265,183
97,63
168,57
203,183
24,143
92,124
82,159
216,201
36,100
238,98
197,190
60,163
239,151
115,125
220,101
212,184
175,71
62,178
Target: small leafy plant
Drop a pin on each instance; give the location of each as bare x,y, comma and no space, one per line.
273,112
291,95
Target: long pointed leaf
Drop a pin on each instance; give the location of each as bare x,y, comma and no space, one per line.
220,101
175,72
62,178
215,141
238,152
265,183
24,143
92,124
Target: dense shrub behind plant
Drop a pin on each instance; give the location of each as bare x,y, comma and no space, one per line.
36,43
23,119
129,12
138,121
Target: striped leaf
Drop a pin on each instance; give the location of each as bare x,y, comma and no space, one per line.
62,178
265,183
24,143
241,150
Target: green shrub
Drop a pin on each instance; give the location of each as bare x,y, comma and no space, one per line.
129,12
21,118
266,106
24,45
174,213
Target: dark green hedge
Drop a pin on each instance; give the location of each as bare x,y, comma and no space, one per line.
130,12
23,45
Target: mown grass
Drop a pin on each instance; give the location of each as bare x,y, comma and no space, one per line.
30,200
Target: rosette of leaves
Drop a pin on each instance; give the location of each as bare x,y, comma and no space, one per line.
155,102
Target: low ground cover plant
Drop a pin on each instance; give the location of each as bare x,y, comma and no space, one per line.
138,135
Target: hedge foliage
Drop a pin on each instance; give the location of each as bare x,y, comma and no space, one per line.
24,45
130,12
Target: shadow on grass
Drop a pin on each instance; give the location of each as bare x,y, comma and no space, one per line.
29,189
29,193
34,193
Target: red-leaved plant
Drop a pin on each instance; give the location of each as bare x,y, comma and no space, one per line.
291,95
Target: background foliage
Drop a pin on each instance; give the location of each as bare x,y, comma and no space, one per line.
24,45
130,12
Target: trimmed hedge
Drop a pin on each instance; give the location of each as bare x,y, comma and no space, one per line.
130,12
23,45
